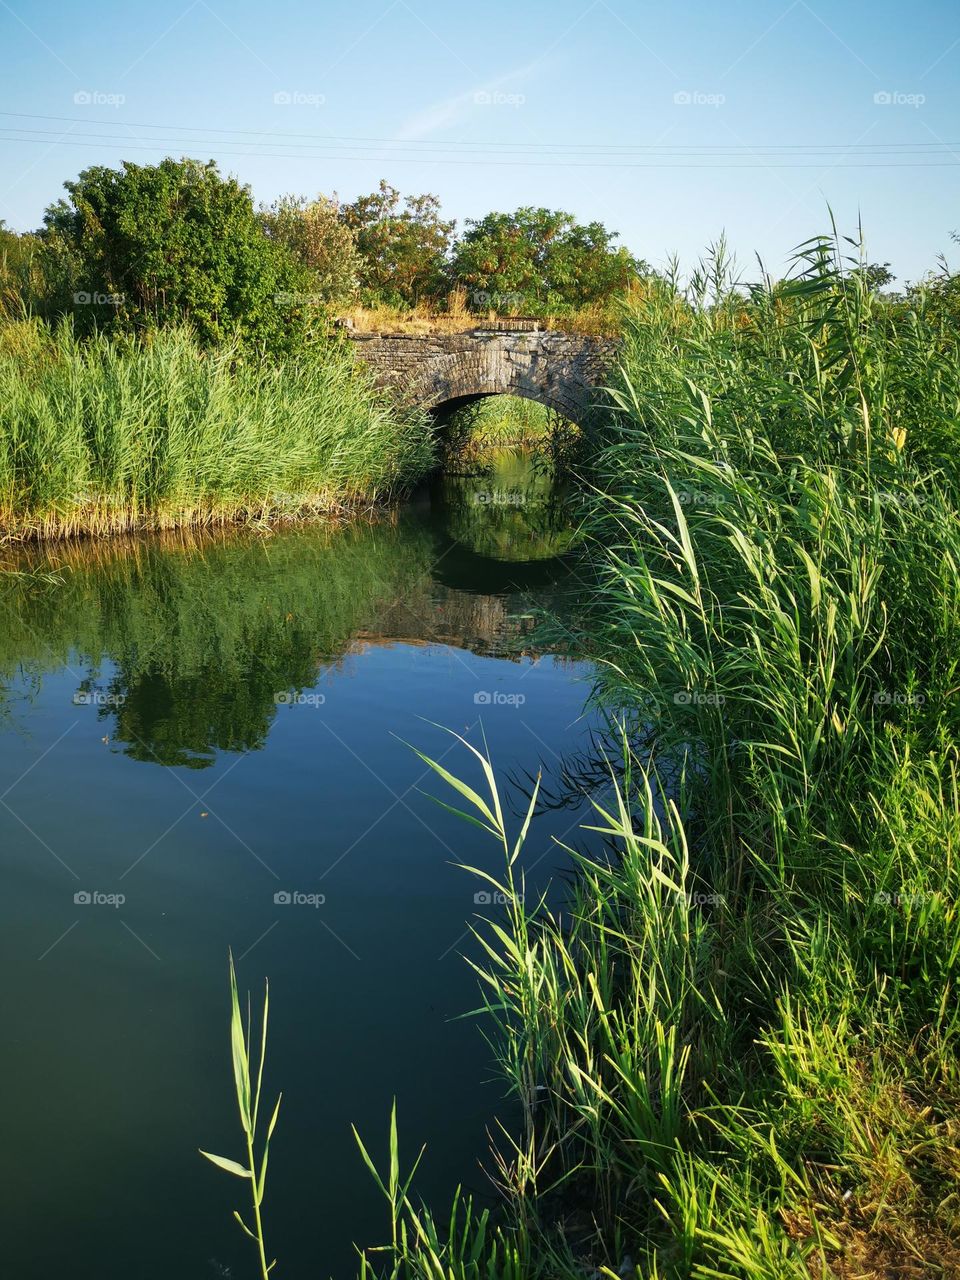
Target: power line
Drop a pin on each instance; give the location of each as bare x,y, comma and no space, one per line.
893,149
426,144
759,163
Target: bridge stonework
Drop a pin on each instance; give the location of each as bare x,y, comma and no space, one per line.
442,372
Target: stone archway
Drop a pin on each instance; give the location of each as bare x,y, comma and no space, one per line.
441,372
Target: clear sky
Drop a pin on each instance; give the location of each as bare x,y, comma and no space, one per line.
669,122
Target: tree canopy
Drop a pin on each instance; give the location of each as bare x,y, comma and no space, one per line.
138,247
404,245
538,260
318,237
148,245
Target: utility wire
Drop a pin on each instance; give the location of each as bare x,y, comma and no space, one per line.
426,144
525,163
894,149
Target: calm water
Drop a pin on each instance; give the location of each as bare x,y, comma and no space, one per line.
194,731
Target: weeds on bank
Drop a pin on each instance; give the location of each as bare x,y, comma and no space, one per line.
736,1047
107,437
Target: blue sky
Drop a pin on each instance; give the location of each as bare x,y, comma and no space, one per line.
670,122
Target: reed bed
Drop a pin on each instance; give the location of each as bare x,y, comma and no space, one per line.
736,1048
108,437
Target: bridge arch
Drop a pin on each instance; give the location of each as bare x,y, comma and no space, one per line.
442,372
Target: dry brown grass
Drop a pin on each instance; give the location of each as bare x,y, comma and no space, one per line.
601,320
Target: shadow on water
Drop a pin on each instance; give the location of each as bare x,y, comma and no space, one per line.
205,726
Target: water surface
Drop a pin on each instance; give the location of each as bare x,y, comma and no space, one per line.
202,746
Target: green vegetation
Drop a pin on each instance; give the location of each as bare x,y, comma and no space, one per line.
496,422
316,236
202,628
168,355
248,1083
541,262
472,437
736,1047
102,436
510,510
403,249
149,246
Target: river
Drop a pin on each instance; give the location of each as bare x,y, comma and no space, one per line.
202,746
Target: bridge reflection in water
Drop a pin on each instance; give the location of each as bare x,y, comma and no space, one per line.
199,630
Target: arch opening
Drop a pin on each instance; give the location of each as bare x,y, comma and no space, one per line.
476,427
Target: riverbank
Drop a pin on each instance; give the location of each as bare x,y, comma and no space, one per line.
110,436
736,1048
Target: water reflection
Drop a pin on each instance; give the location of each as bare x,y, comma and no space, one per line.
512,511
202,633
192,653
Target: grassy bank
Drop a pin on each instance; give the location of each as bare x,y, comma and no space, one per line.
736,1049
501,422
112,435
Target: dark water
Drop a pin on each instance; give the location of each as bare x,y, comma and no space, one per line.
194,730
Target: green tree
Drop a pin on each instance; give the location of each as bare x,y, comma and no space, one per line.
541,260
316,235
875,275
21,279
404,246
149,245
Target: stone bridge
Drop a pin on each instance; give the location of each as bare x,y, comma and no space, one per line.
444,372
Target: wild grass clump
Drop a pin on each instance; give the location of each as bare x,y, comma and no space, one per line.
111,435
736,1048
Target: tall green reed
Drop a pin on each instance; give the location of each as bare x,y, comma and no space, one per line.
248,1081
106,436
737,1043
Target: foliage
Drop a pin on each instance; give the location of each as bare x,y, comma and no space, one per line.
875,275
737,1048
189,636
314,233
21,279
538,260
248,1083
147,246
103,437
144,246
403,247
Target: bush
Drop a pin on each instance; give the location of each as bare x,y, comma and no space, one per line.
147,246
